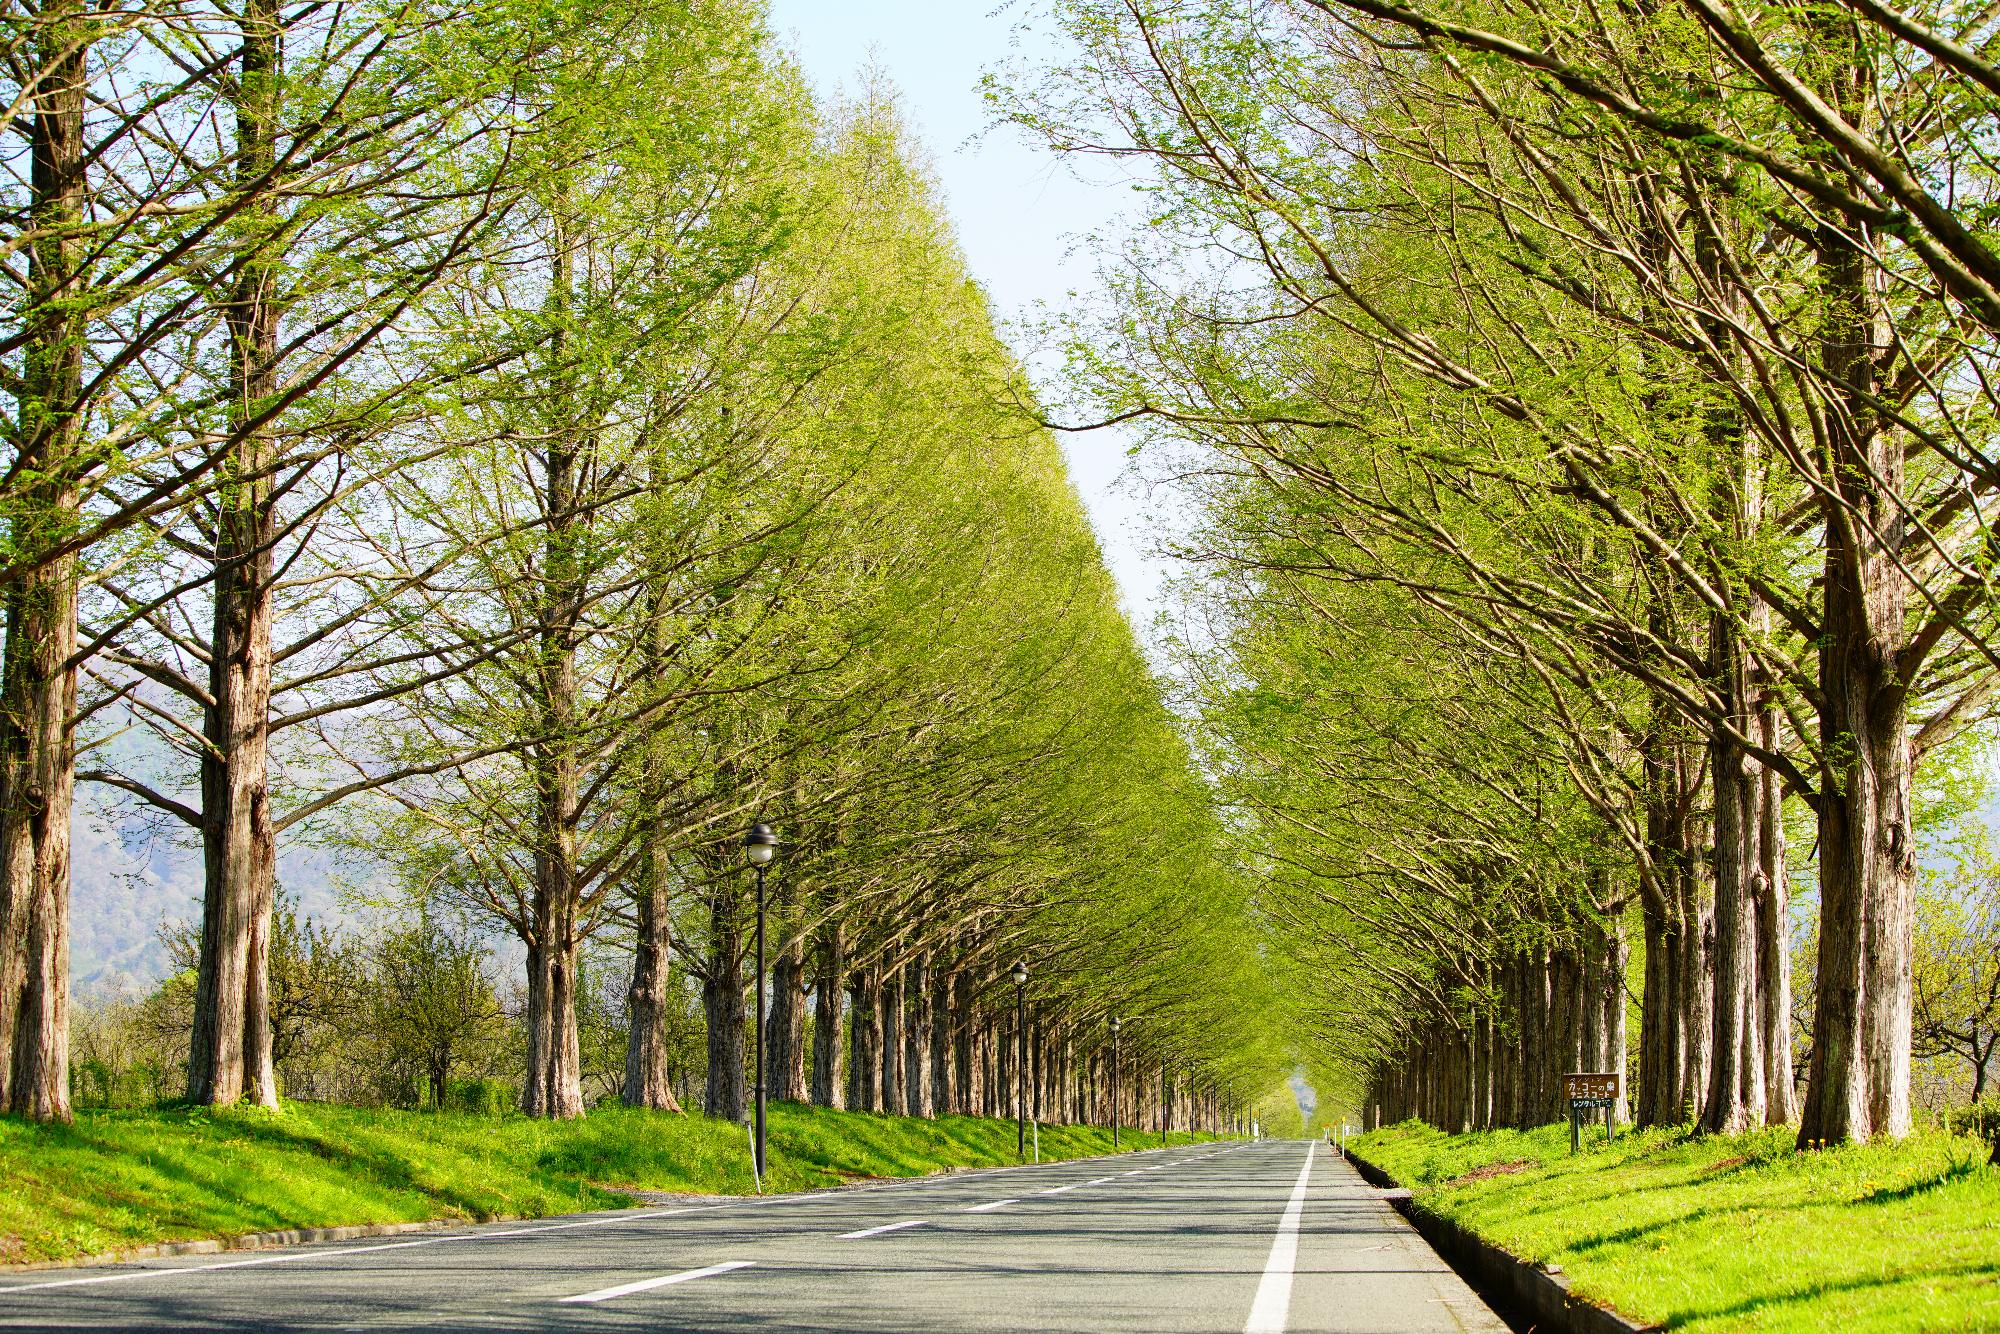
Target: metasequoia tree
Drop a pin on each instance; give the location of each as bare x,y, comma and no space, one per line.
1821,113
325,128
555,498
172,155
528,445
1734,445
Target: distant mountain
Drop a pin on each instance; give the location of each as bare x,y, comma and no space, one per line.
126,878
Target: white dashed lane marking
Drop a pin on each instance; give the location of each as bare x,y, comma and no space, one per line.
886,1227
648,1284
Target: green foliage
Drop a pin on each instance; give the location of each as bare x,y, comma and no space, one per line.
480,1097
1980,1119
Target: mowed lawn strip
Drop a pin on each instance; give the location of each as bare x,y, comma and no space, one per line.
121,1179
1729,1232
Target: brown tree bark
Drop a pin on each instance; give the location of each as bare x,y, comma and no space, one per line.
38,679
229,1052
785,1043
1674,1026
966,1083
1774,936
1859,1084
829,1087
894,1086
944,1087
722,992
553,1086
864,1093
917,1039
1735,1096
647,1078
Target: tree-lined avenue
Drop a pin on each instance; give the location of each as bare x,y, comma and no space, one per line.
1180,1239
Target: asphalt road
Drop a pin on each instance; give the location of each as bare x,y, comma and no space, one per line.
1256,1238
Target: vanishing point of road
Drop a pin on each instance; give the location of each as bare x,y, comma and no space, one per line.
1259,1238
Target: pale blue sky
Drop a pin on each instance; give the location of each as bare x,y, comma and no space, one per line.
1016,211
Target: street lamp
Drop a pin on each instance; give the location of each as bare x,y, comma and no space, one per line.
760,845
1020,975
1115,1108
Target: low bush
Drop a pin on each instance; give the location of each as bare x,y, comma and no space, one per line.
480,1097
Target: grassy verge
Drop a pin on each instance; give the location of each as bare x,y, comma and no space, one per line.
1729,1233
116,1180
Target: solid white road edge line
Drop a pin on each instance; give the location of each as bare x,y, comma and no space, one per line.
126,1276
1274,1291
647,1284
878,1231
996,1204
323,1252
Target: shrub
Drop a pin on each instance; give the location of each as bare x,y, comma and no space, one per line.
480,1097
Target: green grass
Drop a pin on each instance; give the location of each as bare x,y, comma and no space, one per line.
1730,1233
120,1179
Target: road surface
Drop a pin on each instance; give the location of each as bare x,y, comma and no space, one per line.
1259,1238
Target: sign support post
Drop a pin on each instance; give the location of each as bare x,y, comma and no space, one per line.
1588,1093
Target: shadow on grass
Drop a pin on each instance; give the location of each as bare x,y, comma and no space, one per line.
1754,1303
1951,1176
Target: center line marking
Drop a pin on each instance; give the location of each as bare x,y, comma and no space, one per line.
1060,1189
1274,1291
1100,1181
648,1284
878,1231
996,1204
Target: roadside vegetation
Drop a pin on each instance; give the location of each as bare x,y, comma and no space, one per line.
113,1180
508,451
1728,1232
1586,422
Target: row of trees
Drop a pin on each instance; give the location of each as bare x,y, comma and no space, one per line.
1592,416
414,1010
516,445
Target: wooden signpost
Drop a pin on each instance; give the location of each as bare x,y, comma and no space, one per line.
1586,1093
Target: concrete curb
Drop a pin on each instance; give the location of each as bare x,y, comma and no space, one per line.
252,1241
1527,1296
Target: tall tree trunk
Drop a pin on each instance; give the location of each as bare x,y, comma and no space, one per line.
554,1083
38,679
865,1091
944,1088
647,1082
1735,1096
829,1036
894,1087
1774,934
722,1008
1859,1084
786,1041
917,1039
965,1033
229,1056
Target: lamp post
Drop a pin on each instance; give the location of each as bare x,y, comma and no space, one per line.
1020,975
1115,1107
760,845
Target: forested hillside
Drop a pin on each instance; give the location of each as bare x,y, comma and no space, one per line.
498,453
